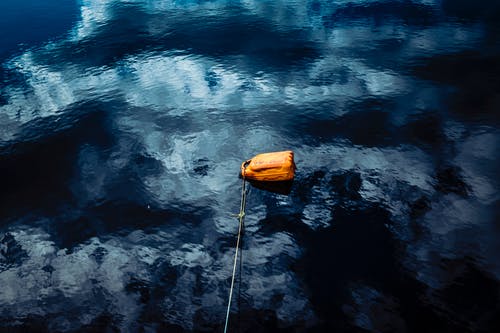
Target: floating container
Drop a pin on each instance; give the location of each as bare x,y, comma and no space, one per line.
269,167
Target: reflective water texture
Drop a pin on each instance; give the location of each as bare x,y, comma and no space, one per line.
123,125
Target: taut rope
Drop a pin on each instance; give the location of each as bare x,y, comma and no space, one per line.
241,217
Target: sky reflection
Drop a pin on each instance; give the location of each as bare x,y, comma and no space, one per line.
121,139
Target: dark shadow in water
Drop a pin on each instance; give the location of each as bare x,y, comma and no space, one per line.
370,124
315,129
352,126
486,10
476,77
35,169
379,12
471,300
359,248
450,180
424,130
280,187
73,227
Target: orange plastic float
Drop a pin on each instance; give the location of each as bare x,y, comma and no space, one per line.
269,167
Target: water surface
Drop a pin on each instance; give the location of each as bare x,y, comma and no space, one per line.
123,125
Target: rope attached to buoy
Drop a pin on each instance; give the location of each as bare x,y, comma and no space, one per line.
241,217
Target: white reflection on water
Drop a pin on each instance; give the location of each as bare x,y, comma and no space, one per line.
50,272
96,273
179,82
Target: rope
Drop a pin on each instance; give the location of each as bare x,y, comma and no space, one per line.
240,216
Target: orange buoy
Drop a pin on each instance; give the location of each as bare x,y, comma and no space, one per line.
270,167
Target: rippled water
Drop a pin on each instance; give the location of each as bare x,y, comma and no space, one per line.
123,124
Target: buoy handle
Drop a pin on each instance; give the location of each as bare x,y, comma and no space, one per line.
244,167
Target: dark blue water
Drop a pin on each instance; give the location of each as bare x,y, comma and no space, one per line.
123,125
